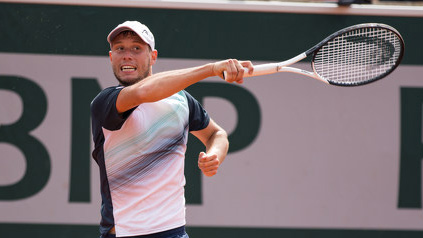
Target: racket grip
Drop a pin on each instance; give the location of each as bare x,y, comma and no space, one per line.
259,70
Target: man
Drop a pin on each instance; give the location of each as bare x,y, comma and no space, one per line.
140,133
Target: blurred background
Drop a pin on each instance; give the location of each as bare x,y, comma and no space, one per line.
306,159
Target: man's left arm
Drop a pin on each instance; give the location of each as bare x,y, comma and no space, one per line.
216,141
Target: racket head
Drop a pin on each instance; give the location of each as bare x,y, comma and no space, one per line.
358,55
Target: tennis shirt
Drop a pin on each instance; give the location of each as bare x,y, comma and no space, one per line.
140,154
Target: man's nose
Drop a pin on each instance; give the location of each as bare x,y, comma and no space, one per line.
127,54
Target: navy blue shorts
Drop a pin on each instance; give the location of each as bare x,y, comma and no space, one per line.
174,233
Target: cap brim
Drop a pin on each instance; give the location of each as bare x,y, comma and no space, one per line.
116,32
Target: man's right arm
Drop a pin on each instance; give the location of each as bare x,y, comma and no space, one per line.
162,85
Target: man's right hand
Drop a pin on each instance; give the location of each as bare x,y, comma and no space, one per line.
234,70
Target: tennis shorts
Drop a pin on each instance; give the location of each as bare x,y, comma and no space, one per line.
174,233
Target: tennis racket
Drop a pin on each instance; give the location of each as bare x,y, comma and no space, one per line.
353,56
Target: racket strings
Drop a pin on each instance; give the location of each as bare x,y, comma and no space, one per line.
358,56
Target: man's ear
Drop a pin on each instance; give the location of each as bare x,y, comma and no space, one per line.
154,54
110,55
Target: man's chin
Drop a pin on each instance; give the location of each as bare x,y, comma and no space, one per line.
127,81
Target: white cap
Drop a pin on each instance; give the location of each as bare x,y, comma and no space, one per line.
141,30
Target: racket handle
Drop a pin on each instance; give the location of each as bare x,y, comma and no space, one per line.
259,70
271,68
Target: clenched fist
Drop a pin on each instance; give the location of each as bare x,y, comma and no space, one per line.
208,163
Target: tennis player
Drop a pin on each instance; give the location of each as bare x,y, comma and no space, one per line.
140,130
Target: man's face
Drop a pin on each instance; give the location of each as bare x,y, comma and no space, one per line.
131,59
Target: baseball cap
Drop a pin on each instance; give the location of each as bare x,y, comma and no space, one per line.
139,28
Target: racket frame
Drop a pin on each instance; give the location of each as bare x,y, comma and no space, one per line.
313,50
271,68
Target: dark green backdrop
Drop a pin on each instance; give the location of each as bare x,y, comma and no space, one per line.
77,30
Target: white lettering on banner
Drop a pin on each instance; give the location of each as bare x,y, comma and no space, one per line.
325,157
